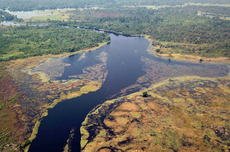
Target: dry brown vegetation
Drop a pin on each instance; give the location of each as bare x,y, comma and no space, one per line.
189,114
11,126
26,97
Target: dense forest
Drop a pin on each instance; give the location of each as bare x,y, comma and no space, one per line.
179,25
29,5
4,16
26,41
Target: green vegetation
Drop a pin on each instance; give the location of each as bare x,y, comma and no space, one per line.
145,94
28,5
180,29
26,143
25,41
194,29
35,131
18,117
213,10
4,16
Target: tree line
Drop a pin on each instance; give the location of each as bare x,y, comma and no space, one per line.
178,25
4,16
29,5
27,41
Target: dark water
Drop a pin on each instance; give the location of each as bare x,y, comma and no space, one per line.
124,67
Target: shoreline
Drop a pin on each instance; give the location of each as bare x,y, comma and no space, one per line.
65,97
187,57
94,113
91,86
169,55
35,129
45,57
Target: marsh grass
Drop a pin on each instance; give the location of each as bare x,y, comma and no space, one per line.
167,120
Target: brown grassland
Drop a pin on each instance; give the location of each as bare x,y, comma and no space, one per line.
183,114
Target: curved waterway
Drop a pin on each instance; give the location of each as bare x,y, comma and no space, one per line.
127,60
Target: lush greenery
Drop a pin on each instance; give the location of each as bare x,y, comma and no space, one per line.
26,41
28,5
4,16
189,32
145,94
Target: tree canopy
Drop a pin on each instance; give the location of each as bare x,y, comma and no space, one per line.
194,34
4,16
29,5
26,41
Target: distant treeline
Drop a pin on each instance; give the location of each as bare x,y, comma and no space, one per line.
28,5
4,16
212,10
178,25
26,41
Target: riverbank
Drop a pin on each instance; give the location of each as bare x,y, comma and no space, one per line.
145,69
31,83
170,53
178,51
92,87
178,114
68,90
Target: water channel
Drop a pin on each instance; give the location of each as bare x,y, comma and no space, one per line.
125,65
127,60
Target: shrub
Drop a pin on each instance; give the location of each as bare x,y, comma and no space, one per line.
158,50
145,94
206,139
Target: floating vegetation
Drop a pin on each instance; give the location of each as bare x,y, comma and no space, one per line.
187,114
97,72
53,67
160,71
81,57
35,79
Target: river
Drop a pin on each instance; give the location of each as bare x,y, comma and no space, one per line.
126,58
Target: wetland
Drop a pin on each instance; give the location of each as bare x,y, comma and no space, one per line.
95,96
125,66
65,86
